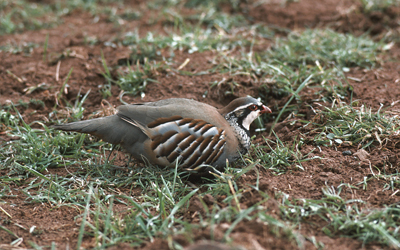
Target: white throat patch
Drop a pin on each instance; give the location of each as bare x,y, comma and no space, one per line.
250,118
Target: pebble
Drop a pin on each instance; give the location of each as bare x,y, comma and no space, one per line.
347,152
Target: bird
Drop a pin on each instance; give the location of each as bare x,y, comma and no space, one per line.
178,131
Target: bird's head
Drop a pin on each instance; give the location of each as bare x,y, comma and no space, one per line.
244,111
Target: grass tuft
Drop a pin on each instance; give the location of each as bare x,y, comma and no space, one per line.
327,47
378,5
359,126
345,218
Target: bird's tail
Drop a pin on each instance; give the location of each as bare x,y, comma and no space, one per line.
111,129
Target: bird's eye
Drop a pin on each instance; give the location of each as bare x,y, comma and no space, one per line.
253,107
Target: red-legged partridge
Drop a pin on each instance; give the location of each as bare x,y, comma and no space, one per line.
183,130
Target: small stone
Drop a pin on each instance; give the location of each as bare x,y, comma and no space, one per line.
347,152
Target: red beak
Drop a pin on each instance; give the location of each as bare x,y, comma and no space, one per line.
265,109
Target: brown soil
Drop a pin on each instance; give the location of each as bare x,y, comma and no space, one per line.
67,49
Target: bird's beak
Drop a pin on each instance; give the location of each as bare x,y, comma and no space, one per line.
265,109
